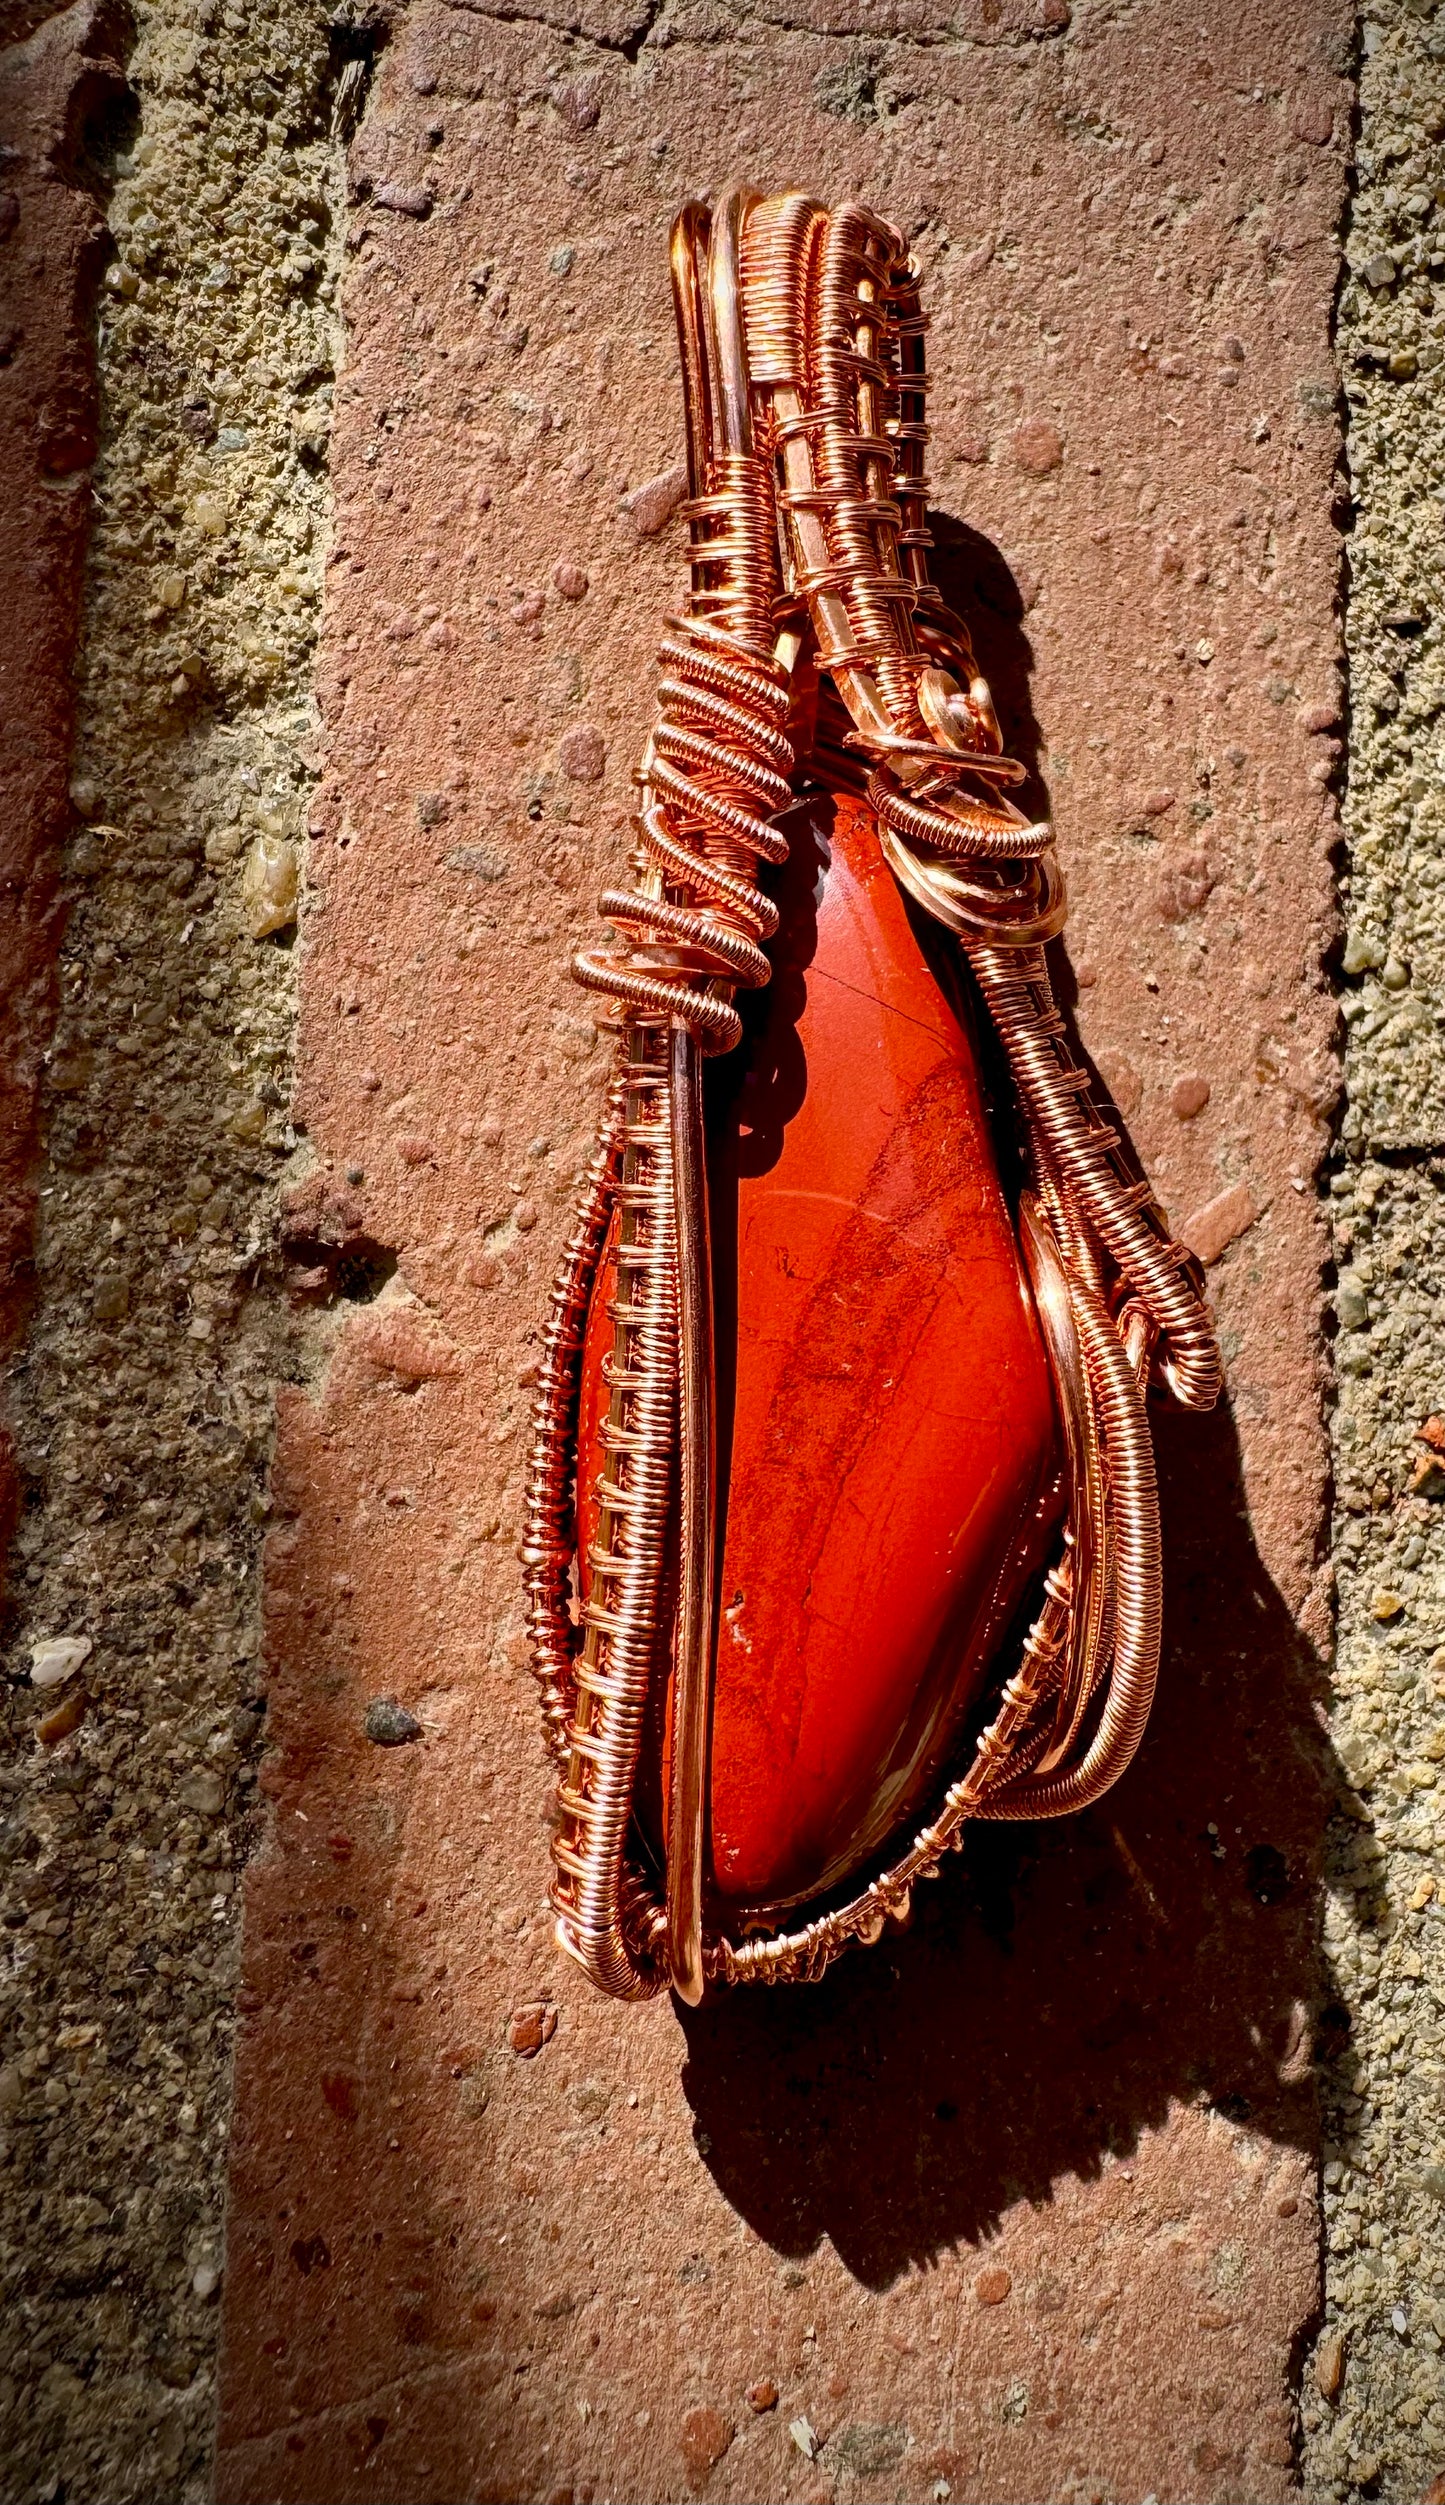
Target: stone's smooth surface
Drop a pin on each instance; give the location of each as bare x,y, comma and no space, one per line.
270,883
53,1660
1188,1096
653,505
1084,2064
892,1438
887,1442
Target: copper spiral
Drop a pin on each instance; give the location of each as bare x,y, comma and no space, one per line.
805,386
1137,1596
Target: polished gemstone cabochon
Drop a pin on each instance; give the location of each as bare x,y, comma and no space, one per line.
887,1441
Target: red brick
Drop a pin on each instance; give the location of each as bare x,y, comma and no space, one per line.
1081,2056
1211,1230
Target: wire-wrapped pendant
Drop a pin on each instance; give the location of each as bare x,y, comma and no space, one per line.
817,1407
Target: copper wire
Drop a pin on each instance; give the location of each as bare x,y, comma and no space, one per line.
1101,1196
715,770
551,1493
802,340
612,1677
717,759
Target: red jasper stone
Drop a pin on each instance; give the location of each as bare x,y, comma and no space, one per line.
888,1451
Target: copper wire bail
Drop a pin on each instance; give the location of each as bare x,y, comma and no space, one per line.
802,347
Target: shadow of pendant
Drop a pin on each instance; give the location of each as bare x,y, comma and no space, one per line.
887,1458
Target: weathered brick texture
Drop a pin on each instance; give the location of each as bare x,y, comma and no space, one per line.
1021,2203
57,86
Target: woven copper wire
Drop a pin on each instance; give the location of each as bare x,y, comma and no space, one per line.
837,385
551,1491
715,770
612,1677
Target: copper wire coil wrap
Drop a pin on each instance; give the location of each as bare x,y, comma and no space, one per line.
1123,1214
613,1669
802,339
1138,1589
717,759
971,830
547,1544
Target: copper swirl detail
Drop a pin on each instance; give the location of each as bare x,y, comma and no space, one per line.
802,341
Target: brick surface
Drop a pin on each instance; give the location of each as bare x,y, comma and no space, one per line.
56,87
1022,2203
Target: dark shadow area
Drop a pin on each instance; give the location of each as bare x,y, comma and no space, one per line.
977,586
357,1269
1062,1986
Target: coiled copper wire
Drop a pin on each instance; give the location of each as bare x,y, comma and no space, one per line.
949,819
970,829
551,1495
715,769
909,430
622,1615
1137,1593
716,760
807,434
851,387
779,240
1124,1215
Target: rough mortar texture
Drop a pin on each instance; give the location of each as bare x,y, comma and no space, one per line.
1374,2393
56,91
1021,2204
142,1405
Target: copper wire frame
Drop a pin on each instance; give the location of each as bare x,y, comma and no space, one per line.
804,383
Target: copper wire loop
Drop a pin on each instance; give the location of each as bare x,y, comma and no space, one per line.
805,385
